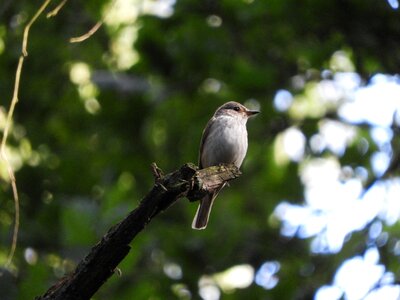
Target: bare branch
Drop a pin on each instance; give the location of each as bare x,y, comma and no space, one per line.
94,270
56,10
29,25
3,152
87,35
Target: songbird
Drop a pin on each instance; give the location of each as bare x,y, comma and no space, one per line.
224,140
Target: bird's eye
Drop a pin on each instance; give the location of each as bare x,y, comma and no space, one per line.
236,108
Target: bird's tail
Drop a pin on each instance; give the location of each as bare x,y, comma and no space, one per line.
203,211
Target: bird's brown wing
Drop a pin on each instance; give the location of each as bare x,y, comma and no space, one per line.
206,132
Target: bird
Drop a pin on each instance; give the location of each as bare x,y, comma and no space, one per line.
224,141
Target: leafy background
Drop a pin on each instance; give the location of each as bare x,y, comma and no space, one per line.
93,115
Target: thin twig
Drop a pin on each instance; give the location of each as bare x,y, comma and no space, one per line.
93,30
55,11
4,156
3,152
28,26
87,35
14,101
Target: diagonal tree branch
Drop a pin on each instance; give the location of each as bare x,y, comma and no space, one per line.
94,270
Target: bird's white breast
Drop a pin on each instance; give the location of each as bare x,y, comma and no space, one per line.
226,142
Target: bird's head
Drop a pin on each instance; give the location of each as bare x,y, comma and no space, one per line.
235,109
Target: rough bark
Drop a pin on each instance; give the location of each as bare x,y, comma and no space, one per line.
94,270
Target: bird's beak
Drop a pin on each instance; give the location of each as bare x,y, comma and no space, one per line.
251,112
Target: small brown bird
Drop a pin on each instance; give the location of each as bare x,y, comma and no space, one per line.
224,140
